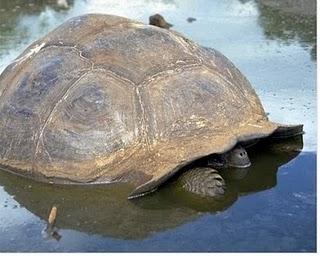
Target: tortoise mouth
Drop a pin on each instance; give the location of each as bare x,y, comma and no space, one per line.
242,166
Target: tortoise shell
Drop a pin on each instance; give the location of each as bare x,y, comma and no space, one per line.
106,99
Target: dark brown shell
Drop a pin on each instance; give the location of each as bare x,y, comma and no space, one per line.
103,99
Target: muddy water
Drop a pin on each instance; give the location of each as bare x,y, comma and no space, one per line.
269,207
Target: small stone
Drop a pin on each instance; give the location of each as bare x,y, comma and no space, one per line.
159,21
63,4
191,19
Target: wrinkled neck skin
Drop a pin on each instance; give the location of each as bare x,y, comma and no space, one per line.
236,157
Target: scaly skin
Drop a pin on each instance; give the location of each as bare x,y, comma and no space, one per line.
206,181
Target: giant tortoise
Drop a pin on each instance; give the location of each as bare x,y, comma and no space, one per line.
104,99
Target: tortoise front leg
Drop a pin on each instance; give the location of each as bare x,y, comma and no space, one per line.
203,181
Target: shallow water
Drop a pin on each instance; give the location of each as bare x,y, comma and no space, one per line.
269,207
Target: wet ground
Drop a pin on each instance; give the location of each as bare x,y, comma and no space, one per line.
269,207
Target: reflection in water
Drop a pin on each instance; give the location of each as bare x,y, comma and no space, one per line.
105,210
289,21
12,32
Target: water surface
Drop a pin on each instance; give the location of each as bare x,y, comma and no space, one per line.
269,207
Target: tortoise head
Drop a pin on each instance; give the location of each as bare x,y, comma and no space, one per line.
238,157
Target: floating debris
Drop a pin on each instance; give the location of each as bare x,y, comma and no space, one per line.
52,215
50,231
